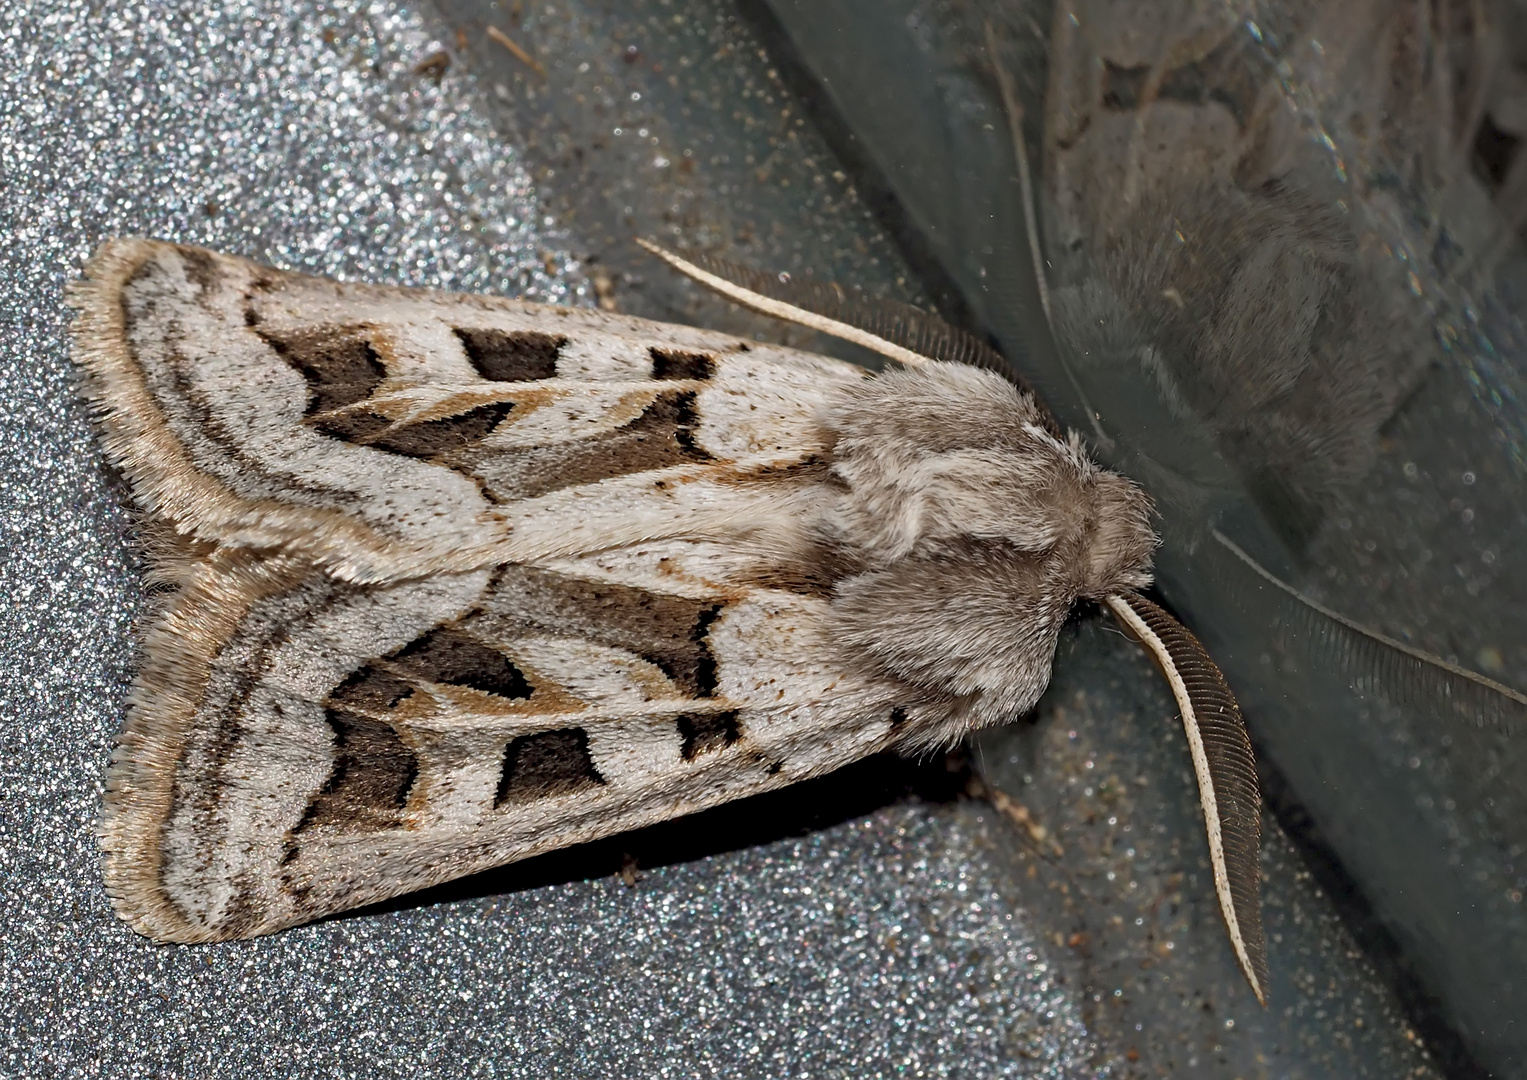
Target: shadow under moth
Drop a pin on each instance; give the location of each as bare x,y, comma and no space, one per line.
449,581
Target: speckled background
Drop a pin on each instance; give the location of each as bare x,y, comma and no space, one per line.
875,923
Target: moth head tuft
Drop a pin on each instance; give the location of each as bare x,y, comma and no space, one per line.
974,529
1118,549
945,453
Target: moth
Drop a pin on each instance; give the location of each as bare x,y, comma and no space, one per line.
449,581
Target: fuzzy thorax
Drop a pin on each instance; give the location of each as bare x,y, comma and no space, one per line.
973,530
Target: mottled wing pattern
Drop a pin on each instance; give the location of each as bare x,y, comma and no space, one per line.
450,588
384,431
342,743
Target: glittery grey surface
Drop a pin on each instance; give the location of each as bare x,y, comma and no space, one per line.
884,937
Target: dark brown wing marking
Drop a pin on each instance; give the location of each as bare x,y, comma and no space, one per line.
546,764
512,355
339,363
704,732
679,364
368,787
662,436
448,655
374,770
371,690
343,369
427,439
668,632
1226,770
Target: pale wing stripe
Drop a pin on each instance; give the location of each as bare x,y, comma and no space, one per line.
1127,615
789,312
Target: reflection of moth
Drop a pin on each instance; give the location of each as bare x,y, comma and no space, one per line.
1268,231
457,580
1177,171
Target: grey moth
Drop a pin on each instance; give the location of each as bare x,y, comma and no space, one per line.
449,581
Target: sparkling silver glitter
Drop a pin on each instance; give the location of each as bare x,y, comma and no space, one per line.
303,135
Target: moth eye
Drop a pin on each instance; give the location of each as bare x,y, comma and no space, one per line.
512,355
546,764
338,362
678,364
447,655
704,732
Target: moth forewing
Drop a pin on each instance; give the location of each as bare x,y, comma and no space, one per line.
464,579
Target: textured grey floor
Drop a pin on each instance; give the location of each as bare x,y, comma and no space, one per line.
844,928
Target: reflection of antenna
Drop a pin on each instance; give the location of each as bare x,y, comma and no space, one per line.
1390,669
1014,110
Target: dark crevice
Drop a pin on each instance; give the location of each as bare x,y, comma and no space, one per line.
1494,151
